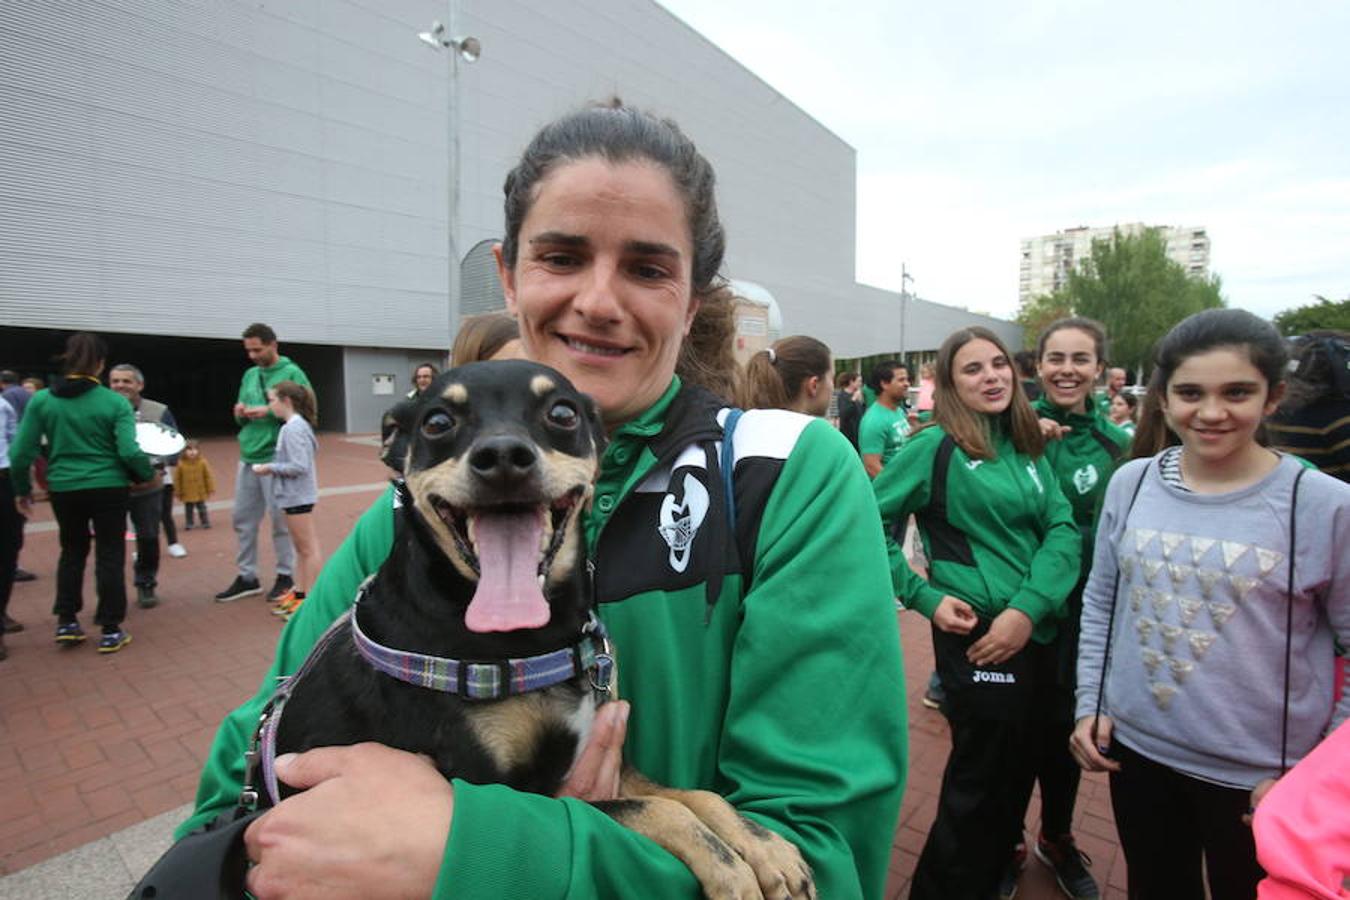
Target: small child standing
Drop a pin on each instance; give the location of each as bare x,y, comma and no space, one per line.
296,484
194,483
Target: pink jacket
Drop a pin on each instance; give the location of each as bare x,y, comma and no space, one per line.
1302,827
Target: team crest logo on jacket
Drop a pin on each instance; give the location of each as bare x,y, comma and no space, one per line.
1085,479
681,517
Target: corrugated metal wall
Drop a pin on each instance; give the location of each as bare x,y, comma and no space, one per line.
187,168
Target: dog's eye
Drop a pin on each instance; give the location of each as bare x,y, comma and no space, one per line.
563,415
437,424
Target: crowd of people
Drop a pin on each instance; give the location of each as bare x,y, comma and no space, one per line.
1153,589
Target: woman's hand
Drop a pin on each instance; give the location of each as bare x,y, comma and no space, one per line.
954,615
1258,794
1052,430
1008,633
372,823
24,505
595,776
1089,749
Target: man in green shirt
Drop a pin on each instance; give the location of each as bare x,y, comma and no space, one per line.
885,426
258,430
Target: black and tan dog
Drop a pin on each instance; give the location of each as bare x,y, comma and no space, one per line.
488,565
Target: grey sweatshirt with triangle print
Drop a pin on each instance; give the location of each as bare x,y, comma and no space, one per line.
1196,677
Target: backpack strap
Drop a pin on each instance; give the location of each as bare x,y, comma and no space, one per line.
1111,620
1289,620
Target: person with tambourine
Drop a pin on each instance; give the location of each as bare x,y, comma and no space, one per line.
1003,554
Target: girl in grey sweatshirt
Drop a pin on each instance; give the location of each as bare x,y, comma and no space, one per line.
1220,587
295,483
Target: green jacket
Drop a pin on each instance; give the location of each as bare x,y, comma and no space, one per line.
1084,461
1007,540
91,439
258,437
786,699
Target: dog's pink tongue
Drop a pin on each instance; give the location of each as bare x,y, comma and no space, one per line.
508,596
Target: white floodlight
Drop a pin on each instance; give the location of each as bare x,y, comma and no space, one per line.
468,48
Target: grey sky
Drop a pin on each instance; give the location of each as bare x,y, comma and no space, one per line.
982,123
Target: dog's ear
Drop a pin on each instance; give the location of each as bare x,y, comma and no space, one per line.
596,425
395,429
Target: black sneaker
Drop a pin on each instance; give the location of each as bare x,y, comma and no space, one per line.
145,597
240,587
112,641
69,633
23,575
11,626
280,588
1012,873
934,696
1070,867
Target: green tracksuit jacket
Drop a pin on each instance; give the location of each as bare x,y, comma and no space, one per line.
786,699
1008,539
91,439
1084,461
258,437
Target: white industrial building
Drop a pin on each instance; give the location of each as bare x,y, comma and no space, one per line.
171,172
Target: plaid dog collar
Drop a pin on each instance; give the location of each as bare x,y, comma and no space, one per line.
497,679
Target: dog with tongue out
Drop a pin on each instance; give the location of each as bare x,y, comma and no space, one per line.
476,641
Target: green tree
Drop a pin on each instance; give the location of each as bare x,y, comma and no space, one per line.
1324,314
1131,286
1038,312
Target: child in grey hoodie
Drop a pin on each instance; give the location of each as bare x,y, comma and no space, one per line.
296,483
1220,584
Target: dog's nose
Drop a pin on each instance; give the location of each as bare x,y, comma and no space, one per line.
503,459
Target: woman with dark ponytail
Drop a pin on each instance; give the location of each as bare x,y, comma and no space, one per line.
795,373
92,458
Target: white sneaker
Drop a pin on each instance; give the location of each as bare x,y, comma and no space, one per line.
178,551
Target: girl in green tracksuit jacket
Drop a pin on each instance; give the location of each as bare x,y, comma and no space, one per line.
1083,448
1003,553
92,460
761,663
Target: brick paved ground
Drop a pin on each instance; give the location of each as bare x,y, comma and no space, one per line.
91,744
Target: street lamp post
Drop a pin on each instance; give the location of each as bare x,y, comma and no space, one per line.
905,280
467,49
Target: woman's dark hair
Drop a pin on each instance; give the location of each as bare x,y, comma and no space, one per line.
774,377
85,354
619,134
1198,333
1091,327
481,337
426,365
301,397
1130,400
707,355
844,379
968,428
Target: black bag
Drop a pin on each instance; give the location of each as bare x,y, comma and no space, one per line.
208,863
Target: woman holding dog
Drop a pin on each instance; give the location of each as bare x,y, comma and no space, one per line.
767,670
1003,554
